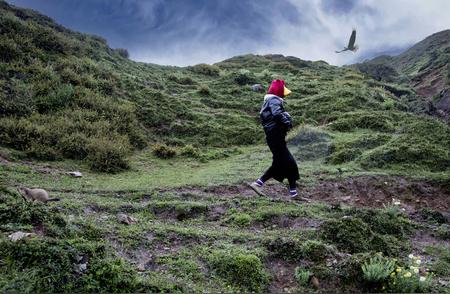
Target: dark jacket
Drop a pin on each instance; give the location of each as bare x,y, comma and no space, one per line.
272,114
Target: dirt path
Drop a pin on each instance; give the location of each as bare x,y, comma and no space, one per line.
361,191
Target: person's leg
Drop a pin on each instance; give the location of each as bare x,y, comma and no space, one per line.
293,187
257,185
265,177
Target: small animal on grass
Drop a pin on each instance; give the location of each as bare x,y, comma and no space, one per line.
35,195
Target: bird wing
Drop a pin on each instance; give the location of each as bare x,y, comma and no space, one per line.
345,49
352,40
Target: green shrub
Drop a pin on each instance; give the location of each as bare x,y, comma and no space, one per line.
245,77
74,145
302,276
190,151
351,234
181,79
363,120
50,41
239,268
377,269
350,150
389,245
315,250
122,52
44,152
295,249
241,219
8,50
112,275
443,232
441,263
286,248
385,222
106,155
204,90
206,69
55,100
407,151
433,216
19,101
164,151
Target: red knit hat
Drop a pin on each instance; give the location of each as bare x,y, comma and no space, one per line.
278,88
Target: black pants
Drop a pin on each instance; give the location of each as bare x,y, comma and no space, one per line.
269,174
283,163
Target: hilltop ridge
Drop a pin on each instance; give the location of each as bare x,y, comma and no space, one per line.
424,67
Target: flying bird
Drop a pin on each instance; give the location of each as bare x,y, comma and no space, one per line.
351,43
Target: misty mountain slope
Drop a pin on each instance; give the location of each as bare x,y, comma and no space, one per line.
424,67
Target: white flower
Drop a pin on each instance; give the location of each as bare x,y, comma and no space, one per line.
411,256
418,261
422,279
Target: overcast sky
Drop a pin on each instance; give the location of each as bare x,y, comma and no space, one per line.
184,32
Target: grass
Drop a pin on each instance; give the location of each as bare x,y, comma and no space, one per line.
172,148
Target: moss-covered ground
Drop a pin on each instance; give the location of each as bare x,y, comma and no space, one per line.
200,228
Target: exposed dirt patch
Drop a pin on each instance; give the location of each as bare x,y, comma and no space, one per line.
284,221
282,274
423,239
92,209
374,191
430,82
362,191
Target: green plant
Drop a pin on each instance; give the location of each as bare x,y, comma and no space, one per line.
302,276
350,234
409,279
244,77
377,269
206,69
240,268
204,90
164,151
190,151
315,250
122,52
241,219
106,155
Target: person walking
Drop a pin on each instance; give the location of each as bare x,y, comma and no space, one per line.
276,123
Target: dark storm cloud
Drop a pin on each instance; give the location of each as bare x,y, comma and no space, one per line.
181,32
338,6
173,31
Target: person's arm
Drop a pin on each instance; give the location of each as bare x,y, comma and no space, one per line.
279,114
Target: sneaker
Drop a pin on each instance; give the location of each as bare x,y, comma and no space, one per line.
257,188
293,193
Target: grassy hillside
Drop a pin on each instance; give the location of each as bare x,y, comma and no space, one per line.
424,67
173,147
68,95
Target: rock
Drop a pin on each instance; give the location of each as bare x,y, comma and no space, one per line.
346,198
141,267
20,235
315,282
126,219
257,88
75,174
